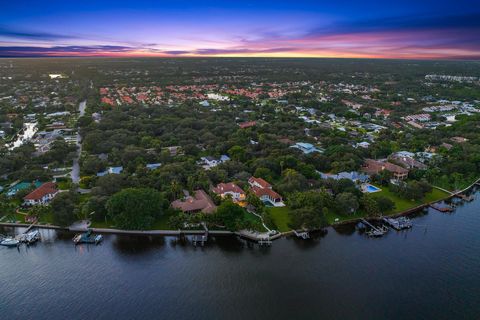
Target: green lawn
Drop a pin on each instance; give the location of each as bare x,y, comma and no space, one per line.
280,217
253,218
162,223
103,224
48,218
332,217
64,185
403,204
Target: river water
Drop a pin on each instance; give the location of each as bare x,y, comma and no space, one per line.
429,272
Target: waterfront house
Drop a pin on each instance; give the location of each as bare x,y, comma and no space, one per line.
263,190
407,161
373,167
354,176
42,195
232,190
306,148
200,202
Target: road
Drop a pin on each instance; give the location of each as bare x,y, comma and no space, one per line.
75,174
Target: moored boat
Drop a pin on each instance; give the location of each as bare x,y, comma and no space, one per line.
10,242
399,223
32,236
87,237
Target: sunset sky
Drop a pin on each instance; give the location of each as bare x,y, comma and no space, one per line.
363,29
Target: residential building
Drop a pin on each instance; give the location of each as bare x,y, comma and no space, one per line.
210,162
354,176
459,139
248,124
110,170
306,148
263,190
200,202
373,167
232,190
407,162
42,195
153,166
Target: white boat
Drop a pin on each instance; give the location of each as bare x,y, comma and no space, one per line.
32,236
10,242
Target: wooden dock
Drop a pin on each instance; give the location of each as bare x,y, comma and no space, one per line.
201,239
464,197
301,234
441,209
261,239
374,231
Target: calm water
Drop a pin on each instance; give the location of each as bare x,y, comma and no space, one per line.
429,272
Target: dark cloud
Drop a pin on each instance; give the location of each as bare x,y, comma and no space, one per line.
32,51
176,52
32,35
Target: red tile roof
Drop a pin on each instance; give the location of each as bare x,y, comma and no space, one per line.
201,202
248,124
259,192
228,187
40,192
264,184
373,167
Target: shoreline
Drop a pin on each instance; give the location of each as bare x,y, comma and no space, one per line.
224,232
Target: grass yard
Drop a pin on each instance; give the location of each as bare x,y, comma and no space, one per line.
332,217
253,218
64,185
162,222
47,218
403,204
103,224
280,217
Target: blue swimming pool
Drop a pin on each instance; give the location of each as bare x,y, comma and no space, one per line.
370,189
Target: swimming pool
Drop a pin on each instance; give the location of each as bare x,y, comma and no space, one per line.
370,188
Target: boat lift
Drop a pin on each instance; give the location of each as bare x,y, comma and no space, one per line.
374,231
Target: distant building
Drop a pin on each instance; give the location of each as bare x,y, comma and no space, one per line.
204,103
363,144
153,166
200,202
459,139
110,170
248,124
447,146
210,162
424,117
42,195
306,148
